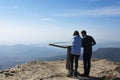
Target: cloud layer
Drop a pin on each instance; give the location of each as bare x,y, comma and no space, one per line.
106,11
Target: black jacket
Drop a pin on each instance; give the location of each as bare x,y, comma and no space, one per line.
87,43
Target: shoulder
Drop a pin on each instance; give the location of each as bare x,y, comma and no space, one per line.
73,37
89,36
77,38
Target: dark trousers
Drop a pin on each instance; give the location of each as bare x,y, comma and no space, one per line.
74,59
87,63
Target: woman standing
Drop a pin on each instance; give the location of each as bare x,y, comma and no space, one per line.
75,53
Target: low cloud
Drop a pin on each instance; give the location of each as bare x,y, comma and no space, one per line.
9,7
47,19
94,0
106,11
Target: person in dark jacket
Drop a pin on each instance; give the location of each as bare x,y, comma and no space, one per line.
87,43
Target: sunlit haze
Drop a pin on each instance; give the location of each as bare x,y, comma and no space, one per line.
44,21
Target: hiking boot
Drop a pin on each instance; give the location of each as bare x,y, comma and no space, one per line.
75,75
70,75
85,75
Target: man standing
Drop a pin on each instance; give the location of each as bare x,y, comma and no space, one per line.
87,43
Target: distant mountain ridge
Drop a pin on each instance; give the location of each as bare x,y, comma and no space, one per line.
112,54
11,55
106,45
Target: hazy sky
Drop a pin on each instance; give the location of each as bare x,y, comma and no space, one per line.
44,21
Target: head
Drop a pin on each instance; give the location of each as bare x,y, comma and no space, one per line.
76,33
84,33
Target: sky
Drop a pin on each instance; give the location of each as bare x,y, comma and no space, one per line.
47,21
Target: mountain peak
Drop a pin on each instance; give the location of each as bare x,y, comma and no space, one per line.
55,70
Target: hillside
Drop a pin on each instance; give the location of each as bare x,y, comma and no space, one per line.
112,54
55,70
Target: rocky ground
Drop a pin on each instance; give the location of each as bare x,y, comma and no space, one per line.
55,70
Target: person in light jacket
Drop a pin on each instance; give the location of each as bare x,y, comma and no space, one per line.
75,53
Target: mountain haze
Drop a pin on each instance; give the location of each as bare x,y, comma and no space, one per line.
112,54
17,54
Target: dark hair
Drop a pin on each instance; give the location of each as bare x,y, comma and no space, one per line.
76,33
84,32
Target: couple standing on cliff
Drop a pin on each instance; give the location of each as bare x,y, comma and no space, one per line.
77,42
